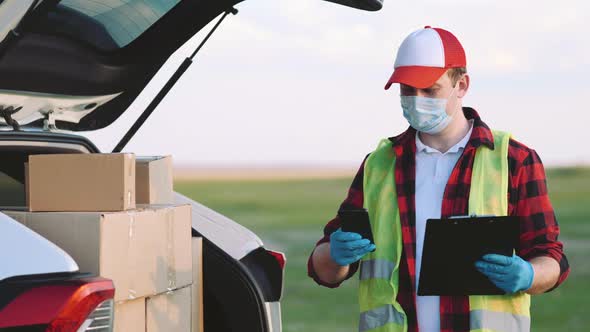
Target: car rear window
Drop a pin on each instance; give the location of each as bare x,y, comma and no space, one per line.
123,20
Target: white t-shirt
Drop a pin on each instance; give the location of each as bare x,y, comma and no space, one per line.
433,170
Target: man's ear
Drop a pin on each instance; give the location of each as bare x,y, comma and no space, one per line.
463,86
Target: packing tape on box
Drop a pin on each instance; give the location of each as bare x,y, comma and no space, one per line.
131,293
170,250
131,225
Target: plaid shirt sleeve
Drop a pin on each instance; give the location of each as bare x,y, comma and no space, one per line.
529,200
354,199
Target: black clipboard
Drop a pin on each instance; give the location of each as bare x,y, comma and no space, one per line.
451,248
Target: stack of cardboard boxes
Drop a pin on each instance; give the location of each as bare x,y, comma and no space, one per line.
114,214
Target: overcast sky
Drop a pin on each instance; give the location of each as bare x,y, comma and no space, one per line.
301,81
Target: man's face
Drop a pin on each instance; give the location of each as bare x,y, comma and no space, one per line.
442,89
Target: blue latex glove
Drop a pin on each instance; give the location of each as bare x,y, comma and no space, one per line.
511,274
348,247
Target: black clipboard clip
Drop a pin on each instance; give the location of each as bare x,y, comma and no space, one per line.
458,219
473,216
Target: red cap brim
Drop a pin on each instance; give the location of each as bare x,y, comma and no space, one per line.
419,77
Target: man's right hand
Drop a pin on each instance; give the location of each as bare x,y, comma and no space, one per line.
348,247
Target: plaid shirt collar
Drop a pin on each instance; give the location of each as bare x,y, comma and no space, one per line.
480,135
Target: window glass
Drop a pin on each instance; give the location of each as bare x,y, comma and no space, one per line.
124,20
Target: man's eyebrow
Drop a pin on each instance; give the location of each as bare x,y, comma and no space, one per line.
435,85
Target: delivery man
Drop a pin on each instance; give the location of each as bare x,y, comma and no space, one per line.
447,163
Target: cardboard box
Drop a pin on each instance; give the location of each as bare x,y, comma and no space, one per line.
144,252
81,182
153,180
169,312
197,286
130,316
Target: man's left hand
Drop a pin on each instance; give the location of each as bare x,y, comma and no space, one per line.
511,274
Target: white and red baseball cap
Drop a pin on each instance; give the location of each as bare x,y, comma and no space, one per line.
424,56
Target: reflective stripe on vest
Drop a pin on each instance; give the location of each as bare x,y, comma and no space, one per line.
380,317
486,320
376,268
379,277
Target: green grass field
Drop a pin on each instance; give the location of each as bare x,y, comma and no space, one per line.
289,216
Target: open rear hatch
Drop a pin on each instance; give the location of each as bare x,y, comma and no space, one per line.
79,64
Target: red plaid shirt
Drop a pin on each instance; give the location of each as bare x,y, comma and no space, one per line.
527,197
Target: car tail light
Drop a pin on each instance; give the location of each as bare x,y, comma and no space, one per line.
68,306
82,304
101,319
280,257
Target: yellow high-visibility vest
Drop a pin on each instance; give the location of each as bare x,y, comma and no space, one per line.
379,270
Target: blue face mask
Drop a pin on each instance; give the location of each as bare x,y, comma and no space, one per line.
425,114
